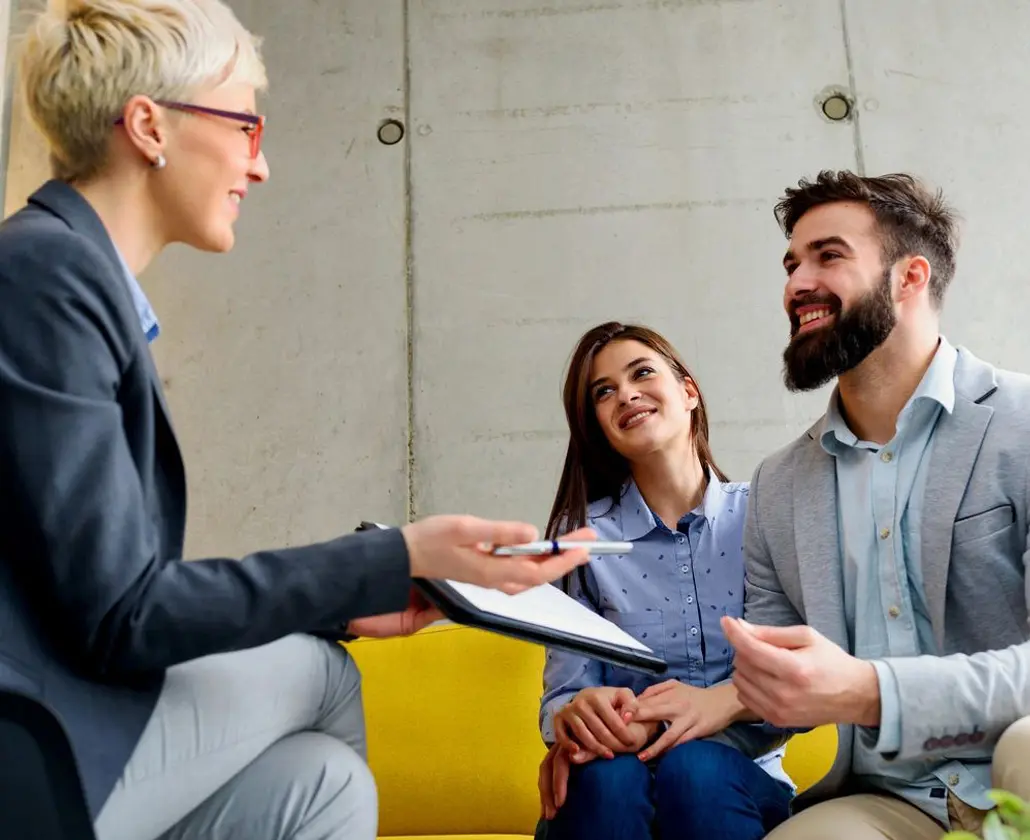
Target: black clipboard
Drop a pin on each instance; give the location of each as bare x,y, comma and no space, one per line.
460,610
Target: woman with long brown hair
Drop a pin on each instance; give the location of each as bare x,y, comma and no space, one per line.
629,755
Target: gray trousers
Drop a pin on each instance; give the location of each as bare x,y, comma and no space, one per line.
263,744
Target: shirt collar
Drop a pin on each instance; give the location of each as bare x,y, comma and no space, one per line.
936,386
634,518
147,319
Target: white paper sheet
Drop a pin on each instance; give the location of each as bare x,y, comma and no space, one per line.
547,606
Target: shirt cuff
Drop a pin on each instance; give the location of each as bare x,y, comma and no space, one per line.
888,739
550,709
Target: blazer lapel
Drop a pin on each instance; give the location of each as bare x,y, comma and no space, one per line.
67,203
155,383
956,445
817,541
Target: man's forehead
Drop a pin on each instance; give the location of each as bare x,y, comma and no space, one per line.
848,220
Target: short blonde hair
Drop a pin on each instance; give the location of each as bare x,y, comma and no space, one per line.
82,60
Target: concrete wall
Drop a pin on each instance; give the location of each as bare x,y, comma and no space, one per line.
5,88
286,361
24,150
390,334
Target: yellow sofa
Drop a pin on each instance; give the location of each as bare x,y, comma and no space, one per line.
453,739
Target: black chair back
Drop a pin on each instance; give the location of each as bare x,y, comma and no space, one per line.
41,795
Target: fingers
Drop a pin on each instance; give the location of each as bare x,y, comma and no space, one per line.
752,653
520,573
458,547
426,617
562,735
591,733
573,735
751,695
556,565
660,709
667,739
658,688
615,734
737,633
797,636
695,731
471,531
453,546
560,779
545,782
626,704
663,701
517,574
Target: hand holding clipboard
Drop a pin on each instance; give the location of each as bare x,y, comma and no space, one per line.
542,614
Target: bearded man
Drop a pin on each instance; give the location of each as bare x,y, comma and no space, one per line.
887,546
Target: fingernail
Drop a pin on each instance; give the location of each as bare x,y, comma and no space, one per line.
644,756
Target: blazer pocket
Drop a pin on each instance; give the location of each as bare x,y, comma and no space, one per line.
981,525
646,626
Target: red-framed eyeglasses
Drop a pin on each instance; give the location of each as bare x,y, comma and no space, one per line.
255,121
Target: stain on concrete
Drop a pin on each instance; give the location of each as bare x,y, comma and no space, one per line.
543,322
566,9
519,436
581,108
606,209
530,14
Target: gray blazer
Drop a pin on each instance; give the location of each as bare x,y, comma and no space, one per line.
974,538
95,601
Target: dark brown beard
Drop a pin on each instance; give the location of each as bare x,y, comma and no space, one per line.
811,360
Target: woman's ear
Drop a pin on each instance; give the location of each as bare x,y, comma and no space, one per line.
693,396
145,127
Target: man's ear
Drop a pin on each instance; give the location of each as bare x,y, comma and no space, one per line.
913,277
145,127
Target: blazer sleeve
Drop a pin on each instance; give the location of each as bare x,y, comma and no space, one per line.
77,523
765,602
986,692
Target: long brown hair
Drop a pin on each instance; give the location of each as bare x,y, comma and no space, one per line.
593,469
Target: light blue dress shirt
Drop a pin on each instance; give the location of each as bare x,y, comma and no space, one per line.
669,593
880,493
147,319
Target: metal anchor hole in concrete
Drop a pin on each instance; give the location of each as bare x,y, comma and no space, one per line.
836,107
390,132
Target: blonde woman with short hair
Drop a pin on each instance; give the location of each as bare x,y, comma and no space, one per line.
201,698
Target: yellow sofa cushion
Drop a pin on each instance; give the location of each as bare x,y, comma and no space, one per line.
452,734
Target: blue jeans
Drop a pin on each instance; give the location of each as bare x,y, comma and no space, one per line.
695,791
